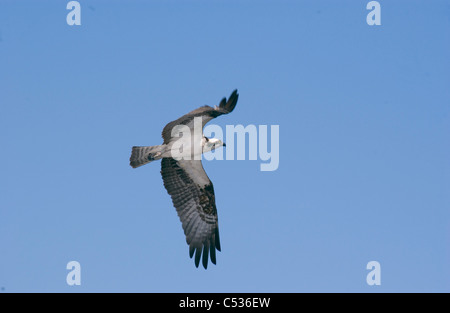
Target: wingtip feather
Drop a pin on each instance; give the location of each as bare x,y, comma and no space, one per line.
205,255
231,103
198,254
217,239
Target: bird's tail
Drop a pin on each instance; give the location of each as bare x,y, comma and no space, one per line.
144,155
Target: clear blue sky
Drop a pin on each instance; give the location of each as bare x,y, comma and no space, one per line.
364,123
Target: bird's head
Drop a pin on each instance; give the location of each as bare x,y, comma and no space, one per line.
212,143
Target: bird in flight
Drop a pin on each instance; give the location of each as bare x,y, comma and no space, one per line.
184,178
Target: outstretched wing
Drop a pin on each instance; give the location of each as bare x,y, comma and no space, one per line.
206,112
193,196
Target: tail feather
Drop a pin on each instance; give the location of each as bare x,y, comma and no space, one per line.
144,155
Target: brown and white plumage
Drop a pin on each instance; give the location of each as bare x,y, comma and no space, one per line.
187,183
196,207
206,112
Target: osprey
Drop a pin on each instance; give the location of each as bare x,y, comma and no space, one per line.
185,179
